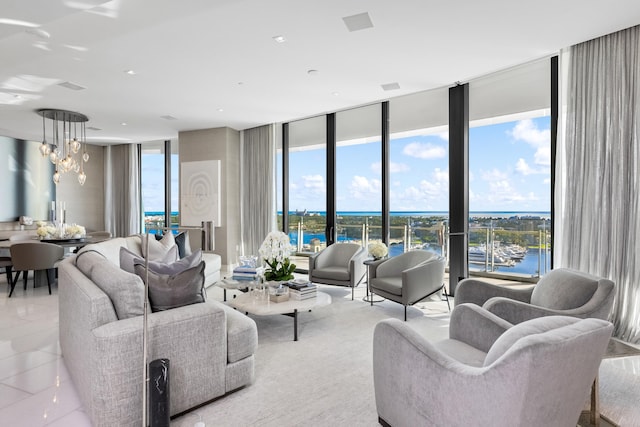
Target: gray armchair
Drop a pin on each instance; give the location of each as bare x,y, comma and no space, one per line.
408,278
338,264
560,292
537,373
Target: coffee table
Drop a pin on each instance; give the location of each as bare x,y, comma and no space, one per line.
262,306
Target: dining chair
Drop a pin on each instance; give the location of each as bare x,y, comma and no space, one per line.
5,262
35,256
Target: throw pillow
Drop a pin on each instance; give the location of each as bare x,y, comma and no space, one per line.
172,291
126,291
172,268
128,258
158,248
182,241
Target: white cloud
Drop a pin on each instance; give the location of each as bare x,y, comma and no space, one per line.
363,188
313,182
540,139
493,175
503,192
523,167
428,194
424,150
394,167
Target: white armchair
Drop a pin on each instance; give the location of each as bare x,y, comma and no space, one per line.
537,373
408,278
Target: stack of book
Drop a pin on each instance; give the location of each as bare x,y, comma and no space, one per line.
302,290
245,273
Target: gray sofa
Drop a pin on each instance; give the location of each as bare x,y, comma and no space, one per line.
210,346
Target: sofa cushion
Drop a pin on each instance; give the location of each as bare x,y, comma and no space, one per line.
111,248
125,290
331,272
392,285
530,327
462,352
167,291
563,289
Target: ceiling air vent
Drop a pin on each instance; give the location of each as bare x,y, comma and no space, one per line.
390,86
358,22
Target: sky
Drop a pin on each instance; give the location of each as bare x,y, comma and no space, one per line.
509,170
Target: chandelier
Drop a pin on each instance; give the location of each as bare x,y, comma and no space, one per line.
67,148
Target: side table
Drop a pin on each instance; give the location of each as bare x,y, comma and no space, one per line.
369,297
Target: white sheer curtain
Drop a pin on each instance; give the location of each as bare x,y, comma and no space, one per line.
599,159
257,195
122,190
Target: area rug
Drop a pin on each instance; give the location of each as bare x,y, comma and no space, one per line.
619,389
325,378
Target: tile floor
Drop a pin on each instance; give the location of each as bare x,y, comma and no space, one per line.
35,389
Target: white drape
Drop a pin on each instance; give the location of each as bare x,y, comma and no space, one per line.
598,179
257,187
122,190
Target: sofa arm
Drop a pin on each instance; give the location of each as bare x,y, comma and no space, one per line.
478,292
193,338
476,326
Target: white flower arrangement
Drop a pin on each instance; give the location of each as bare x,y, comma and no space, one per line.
378,250
75,230
275,251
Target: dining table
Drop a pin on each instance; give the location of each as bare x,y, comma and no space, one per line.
70,245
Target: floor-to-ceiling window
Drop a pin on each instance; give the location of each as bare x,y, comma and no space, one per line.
160,184
510,171
419,172
359,175
307,188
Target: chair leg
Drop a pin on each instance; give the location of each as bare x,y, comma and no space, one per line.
447,297
353,289
405,313
9,275
49,271
25,276
13,284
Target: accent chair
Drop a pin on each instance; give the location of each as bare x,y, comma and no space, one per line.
34,256
407,278
339,264
536,373
562,291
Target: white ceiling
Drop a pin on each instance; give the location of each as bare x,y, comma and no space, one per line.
214,63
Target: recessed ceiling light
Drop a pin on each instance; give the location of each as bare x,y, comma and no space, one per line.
123,123
312,72
279,39
130,72
358,22
76,48
168,117
220,110
19,23
335,93
93,128
38,32
390,86
41,45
